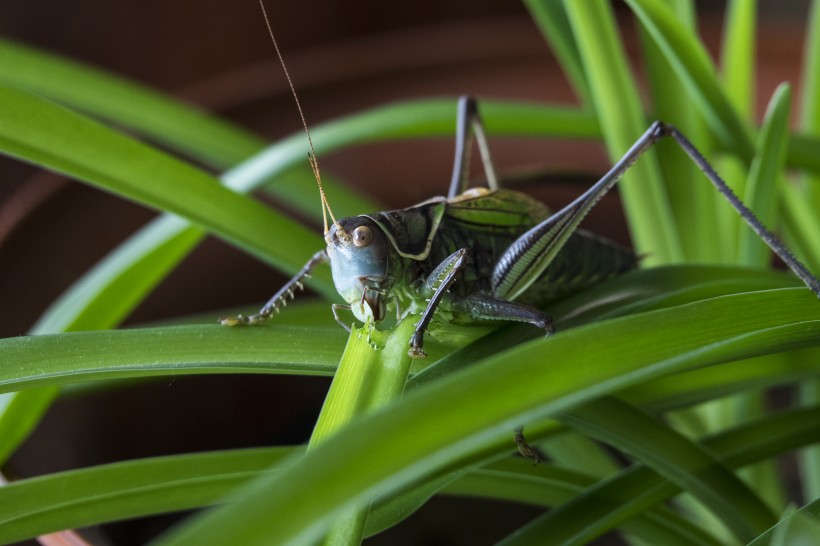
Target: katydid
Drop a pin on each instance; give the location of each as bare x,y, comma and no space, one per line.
484,253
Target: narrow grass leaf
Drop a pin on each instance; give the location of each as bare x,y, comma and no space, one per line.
738,54
128,489
810,105
61,359
680,460
695,387
615,500
697,74
172,123
800,528
637,291
20,413
552,21
803,200
693,203
615,97
425,431
40,132
550,486
767,167
163,484
372,372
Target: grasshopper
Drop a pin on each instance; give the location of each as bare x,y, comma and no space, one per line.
484,253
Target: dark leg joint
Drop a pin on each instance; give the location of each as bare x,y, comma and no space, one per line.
659,129
468,102
548,326
530,452
417,345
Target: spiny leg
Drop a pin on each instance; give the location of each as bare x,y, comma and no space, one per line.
281,297
527,258
483,306
757,226
439,282
469,126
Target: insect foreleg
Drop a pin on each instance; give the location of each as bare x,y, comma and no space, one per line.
438,282
281,297
469,126
335,308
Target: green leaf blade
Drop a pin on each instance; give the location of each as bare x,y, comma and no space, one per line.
697,73
73,84
622,122
767,167
424,431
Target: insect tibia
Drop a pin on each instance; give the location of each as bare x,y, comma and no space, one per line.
748,216
468,127
439,281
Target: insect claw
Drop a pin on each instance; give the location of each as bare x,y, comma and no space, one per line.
232,321
416,352
416,348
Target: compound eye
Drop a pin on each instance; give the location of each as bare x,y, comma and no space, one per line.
362,236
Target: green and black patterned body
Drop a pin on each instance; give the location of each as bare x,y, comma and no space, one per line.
486,222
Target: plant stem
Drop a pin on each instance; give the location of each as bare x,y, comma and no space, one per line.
372,372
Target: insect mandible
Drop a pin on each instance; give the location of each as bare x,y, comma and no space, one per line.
484,253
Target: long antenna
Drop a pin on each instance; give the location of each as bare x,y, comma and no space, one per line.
314,163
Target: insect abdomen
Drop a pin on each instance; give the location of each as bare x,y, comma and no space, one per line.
585,259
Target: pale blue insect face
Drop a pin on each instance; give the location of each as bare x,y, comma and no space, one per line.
358,261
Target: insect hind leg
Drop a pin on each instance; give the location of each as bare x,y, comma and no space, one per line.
483,306
748,216
529,255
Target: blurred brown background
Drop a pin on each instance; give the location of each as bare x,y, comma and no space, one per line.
343,56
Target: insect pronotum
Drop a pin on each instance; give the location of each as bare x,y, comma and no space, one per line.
482,253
